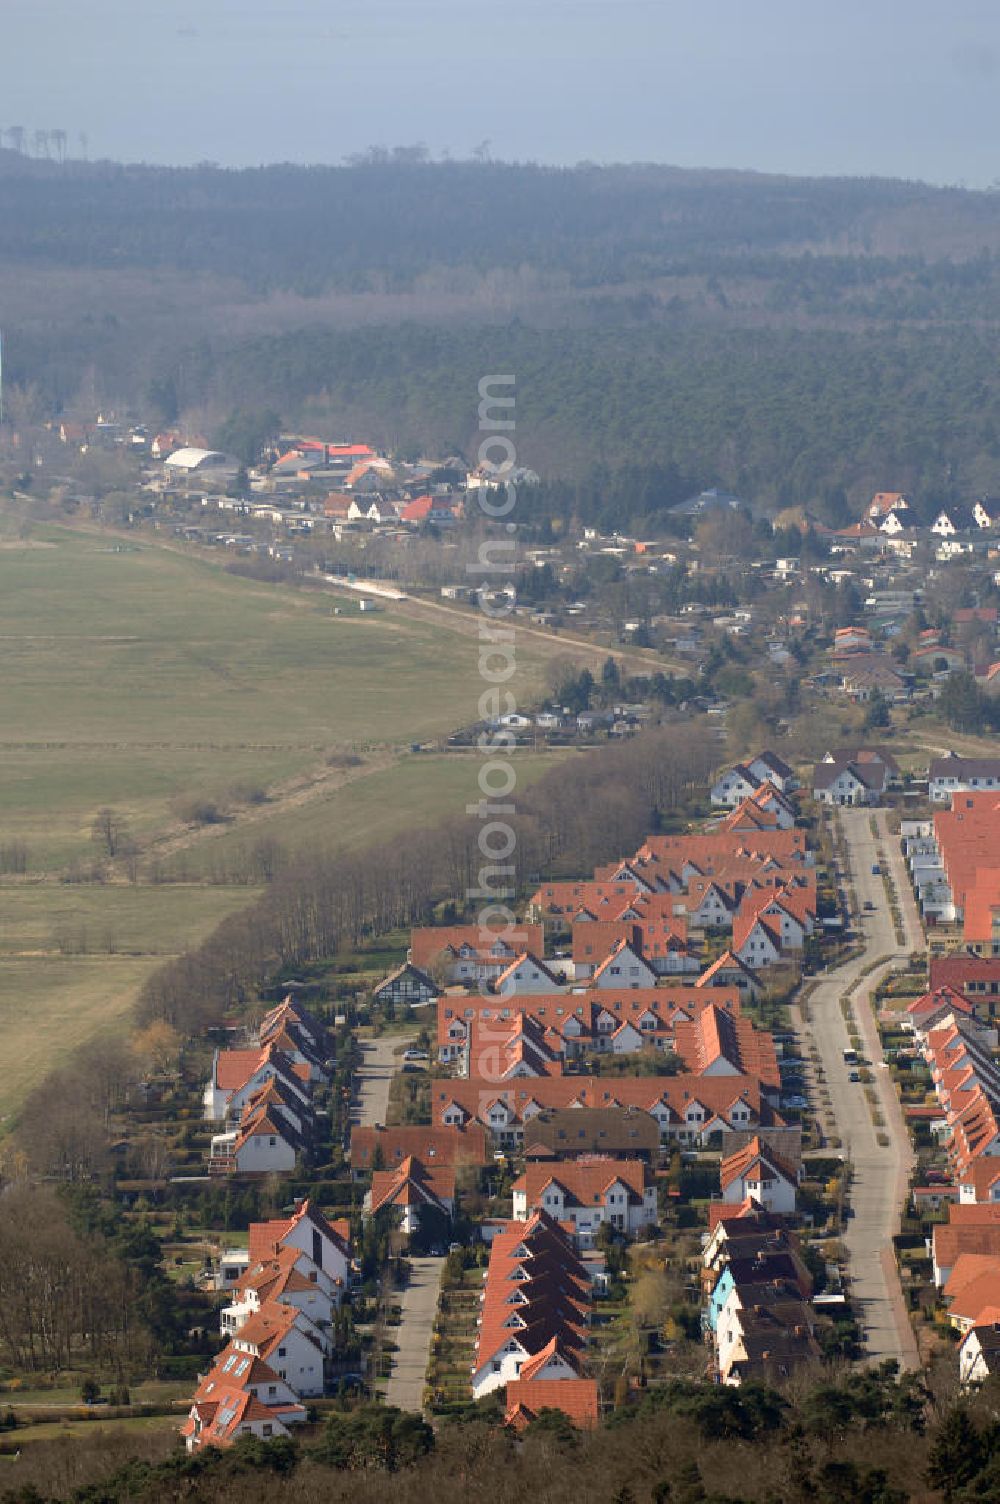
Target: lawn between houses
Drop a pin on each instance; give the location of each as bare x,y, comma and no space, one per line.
141,678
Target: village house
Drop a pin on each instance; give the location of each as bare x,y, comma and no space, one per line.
240,1396
970,1229
755,1173
407,986
290,1342
589,1192
237,1075
851,778
728,970
885,502
267,1141
690,1110
577,1399
387,1148
308,1232
744,779
417,1194
766,1339
986,512
289,1277
526,974
954,519
572,1023
979,1351
566,1133
733,786
975,977
471,954
952,775
754,1260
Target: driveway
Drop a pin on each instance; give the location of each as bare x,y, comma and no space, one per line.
879,1173
413,1335
379,1063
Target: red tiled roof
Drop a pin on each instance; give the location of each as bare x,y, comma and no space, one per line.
264,1238
555,1288
736,1166
584,1181
235,1067
428,943
716,1035
434,1146
412,1184
527,1398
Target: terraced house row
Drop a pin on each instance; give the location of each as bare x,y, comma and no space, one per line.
285,1288
758,1318
262,1095
532,1325
959,1051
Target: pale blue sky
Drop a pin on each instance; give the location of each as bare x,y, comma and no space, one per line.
902,87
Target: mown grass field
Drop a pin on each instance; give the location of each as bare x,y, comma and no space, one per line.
140,677
136,677
417,789
50,1002
121,920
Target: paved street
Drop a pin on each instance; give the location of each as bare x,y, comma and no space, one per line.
880,1173
379,1065
419,1300
413,1335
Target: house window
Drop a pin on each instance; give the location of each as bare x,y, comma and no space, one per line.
496,1365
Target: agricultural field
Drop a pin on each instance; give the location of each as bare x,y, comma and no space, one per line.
375,803
143,678
61,983
138,675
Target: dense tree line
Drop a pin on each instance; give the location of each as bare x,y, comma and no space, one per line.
584,812
863,1438
311,228
626,422
668,330
67,1295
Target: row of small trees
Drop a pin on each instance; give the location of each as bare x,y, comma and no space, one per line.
588,810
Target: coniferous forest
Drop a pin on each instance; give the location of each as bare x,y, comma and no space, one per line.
795,340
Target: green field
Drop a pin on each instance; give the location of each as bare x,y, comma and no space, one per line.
141,677
50,1002
44,918
138,677
416,789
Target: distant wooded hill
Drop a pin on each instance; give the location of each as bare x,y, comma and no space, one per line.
788,338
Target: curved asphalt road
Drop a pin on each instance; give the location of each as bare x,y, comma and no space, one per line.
879,1173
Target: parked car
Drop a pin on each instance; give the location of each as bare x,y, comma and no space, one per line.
876,870
869,906
854,1076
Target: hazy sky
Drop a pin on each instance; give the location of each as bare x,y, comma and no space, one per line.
902,87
